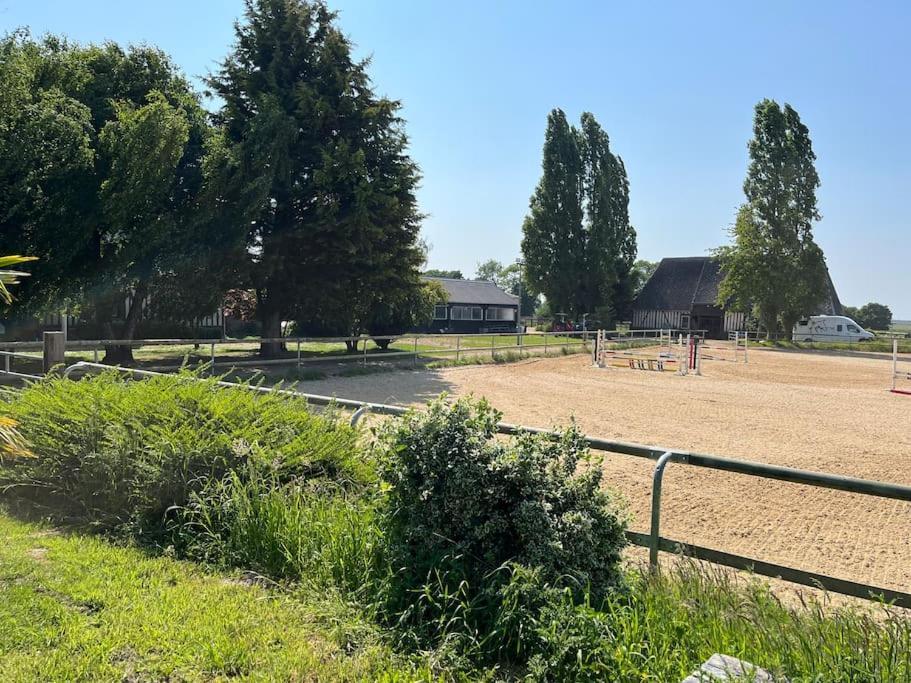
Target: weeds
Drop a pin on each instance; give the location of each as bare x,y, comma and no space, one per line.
114,453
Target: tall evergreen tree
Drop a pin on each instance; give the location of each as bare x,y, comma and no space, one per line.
774,265
578,244
313,170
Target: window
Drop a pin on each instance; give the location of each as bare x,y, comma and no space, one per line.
839,328
684,321
499,313
851,328
439,312
466,313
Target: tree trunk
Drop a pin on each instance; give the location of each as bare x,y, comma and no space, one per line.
118,354
272,329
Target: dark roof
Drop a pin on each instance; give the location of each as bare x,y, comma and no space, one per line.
481,292
678,284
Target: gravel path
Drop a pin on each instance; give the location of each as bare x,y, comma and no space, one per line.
814,411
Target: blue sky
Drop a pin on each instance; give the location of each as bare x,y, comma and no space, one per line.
674,85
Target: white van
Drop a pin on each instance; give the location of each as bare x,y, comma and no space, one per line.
834,328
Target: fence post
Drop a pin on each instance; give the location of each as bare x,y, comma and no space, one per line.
6,363
545,342
95,354
655,537
365,353
414,358
212,356
54,349
458,348
493,347
298,352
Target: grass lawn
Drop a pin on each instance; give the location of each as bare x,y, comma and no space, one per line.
78,608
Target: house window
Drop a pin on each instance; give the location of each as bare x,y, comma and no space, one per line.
684,321
439,312
466,313
500,313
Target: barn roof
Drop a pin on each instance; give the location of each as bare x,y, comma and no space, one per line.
482,292
678,284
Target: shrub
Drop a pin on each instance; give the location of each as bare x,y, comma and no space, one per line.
117,453
463,505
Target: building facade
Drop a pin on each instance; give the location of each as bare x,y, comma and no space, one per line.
473,307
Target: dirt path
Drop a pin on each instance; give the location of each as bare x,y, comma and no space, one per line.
812,411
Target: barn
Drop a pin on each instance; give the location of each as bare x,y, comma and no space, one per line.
473,306
681,295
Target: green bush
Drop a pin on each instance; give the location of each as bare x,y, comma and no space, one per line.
463,504
116,453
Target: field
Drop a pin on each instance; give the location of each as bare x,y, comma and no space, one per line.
819,411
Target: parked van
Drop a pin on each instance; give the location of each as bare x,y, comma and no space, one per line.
834,328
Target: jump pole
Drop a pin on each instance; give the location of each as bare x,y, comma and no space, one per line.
895,389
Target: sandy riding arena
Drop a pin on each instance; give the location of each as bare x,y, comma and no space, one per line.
800,409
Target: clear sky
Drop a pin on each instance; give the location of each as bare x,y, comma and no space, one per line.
674,85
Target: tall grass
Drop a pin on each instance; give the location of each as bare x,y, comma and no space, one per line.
322,536
114,453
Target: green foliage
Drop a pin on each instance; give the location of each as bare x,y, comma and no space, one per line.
11,277
451,274
457,492
318,534
774,267
77,608
312,172
119,454
404,310
511,279
873,316
100,170
577,240
642,271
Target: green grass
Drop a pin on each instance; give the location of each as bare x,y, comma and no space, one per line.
872,346
77,608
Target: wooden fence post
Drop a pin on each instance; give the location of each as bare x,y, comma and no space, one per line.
54,349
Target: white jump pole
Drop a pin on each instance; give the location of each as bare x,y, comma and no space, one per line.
894,361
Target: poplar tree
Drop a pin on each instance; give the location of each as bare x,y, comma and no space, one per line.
774,266
313,170
553,227
578,244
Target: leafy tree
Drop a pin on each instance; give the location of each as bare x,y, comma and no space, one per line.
489,270
774,266
512,279
312,172
451,274
100,170
578,244
413,308
874,316
610,240
552,229
641,272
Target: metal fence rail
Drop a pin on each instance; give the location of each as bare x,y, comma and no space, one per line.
663,457
441,346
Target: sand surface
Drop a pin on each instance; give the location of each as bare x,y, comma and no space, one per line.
815,411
